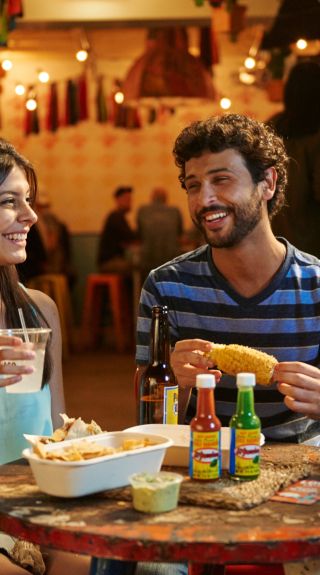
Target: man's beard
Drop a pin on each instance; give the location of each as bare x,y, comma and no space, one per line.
245,220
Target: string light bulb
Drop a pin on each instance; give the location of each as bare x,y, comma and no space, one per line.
250,63
119,97
246,78
20,90
31,104
82,55
6,65
225,103
43,77
301,44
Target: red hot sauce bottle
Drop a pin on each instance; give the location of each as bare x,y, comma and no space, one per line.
205,429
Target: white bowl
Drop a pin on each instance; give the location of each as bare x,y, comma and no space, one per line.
78,478
178,454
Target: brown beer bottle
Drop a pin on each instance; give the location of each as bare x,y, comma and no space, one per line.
158,387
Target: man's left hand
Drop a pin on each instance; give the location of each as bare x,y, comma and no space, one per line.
300,385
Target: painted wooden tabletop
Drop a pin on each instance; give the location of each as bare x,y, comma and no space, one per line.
102,527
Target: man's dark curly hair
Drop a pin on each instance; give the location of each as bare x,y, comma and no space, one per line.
257,143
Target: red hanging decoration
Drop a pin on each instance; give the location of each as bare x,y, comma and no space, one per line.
32,122
83,97
11,10
132,118
15,8
119,115
101,106
32,125
72,103
152,115
52,121
208,48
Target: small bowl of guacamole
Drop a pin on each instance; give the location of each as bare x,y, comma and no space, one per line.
155,492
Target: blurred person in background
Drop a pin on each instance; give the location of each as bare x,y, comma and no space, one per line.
160,229
48,246
299,126
117,235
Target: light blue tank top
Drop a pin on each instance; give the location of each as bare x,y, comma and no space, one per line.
22,413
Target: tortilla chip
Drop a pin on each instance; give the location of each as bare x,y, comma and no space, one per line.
84,450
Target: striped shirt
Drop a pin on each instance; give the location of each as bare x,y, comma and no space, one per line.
283,320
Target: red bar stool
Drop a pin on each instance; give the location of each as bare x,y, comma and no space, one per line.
96,283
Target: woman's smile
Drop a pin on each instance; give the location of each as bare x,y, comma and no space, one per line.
17,238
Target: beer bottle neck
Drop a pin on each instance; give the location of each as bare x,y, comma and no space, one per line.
160,344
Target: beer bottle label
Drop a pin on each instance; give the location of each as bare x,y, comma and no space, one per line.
205,460
170,405
244,452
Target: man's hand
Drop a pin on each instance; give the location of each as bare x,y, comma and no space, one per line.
188,360
300,385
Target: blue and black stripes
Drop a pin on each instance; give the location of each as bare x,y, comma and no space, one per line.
283,319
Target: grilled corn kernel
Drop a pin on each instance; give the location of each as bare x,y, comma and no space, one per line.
234,358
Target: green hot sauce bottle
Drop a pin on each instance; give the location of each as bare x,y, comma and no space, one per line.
245,426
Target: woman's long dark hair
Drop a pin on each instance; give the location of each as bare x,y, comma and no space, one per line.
13,295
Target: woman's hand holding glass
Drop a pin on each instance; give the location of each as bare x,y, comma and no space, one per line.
11,350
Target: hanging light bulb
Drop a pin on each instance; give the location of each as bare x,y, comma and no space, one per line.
118,94
82,55
250,63
43,76
31,104
225,103
246,78
119,97
6,65
20,90
301,44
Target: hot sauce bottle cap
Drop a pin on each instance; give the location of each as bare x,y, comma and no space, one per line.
246,380
206,380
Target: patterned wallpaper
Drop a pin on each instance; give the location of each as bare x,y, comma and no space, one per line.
79,166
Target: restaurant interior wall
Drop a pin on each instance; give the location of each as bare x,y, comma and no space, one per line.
79,166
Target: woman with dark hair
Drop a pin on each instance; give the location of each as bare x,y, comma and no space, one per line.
34,413
299,126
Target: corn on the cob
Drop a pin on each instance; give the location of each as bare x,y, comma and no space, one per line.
234,358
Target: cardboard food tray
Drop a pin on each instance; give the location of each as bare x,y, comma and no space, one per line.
79,478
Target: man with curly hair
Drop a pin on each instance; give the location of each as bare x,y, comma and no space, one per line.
245,285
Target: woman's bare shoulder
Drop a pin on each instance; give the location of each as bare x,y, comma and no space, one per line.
45,303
